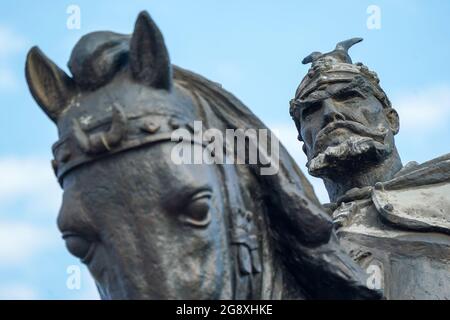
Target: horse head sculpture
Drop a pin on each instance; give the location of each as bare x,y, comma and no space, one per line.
148,228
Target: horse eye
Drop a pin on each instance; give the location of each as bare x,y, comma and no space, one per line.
79,246
198,211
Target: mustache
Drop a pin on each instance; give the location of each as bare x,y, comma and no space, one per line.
355,127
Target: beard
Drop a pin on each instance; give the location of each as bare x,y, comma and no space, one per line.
353,146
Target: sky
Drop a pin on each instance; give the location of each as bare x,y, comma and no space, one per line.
253,48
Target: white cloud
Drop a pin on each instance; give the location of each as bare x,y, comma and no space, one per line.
21,242
11,43
17,292
287,134
8,80
424,110
27,190
30,182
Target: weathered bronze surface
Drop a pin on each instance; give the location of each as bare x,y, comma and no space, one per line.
394,220
150,229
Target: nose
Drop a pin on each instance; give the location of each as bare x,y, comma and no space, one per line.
330,112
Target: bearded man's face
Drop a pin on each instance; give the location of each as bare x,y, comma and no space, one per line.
343,126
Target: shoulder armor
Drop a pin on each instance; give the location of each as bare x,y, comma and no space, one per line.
421,208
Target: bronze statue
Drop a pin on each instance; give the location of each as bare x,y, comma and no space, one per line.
150,229
394,220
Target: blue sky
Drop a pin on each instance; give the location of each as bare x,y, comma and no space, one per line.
253,48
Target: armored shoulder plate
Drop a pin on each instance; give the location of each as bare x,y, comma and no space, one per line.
421,208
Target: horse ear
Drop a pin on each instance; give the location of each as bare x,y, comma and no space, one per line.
149,59
50,86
